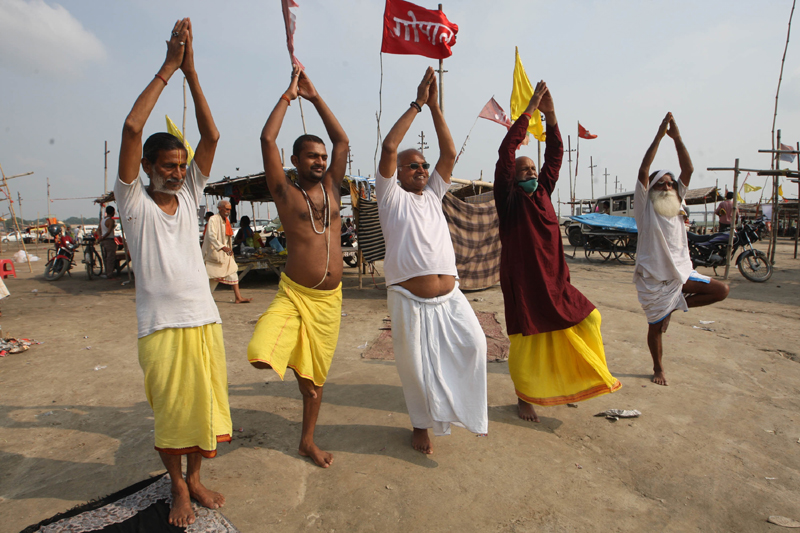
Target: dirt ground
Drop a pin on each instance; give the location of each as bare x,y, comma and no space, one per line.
716,450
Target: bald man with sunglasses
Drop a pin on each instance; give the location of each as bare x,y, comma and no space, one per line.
439,346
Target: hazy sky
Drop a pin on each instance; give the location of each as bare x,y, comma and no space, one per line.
71,71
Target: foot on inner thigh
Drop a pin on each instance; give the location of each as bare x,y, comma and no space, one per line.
205,497
526,412
181,513
659,378
321,458
421,442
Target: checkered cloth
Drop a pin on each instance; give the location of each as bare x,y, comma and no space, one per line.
474,230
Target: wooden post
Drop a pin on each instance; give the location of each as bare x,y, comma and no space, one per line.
714,213
797,219
732,229
773,239
105,168
591,172
571,193
605,186
183,126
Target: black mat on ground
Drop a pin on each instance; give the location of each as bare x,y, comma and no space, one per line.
140,508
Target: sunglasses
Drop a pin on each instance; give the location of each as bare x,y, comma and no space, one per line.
415,166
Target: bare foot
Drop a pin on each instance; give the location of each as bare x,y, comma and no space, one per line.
323,459
421,442
205,497
243,301
181,514
526,412
659,378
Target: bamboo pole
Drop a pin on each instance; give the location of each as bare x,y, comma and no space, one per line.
732,229
780,78
183,126
797,219
14,217
441,78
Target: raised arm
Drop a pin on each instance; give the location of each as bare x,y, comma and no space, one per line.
341,144
209,135
683,154
554,146
447,148
650,154
388,163
130,153
273,167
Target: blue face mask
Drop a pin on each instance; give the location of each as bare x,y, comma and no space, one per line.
529,186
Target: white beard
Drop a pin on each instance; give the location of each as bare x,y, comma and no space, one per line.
666,203
159,183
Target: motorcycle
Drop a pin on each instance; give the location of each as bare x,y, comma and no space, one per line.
60,262
711,250
349,249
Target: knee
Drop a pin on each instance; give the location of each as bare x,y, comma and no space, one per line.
722,291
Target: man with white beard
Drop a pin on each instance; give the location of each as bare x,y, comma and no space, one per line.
664,277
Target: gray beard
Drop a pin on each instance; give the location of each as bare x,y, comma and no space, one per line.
159,183
665,203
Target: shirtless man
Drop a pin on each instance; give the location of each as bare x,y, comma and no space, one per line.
301,326
664,277
181,349
433,325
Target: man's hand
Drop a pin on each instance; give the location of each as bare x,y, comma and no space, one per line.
433,93
305,88
672,129
187,66
227,250
662,128
175,50
536,99
423,91
293,90
546,101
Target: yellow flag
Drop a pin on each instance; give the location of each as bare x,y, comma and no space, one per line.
739,198
780,190
173,129
520,97
751,188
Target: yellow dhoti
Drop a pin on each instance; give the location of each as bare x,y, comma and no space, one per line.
564,366
300,330
186,383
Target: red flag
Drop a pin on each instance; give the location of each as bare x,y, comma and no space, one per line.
291,23
411,29
583,133
492,111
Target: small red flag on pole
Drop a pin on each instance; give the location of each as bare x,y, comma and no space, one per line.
583,133
290,20
492,111
414,30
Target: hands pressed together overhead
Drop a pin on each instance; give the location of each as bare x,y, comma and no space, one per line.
300,85
180,53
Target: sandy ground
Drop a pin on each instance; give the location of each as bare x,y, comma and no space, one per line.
717,450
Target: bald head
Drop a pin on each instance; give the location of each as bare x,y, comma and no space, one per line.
408,156
525,169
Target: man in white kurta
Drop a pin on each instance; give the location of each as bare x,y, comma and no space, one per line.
439,346
218,252
664,277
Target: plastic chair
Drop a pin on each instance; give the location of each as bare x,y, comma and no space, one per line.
7,268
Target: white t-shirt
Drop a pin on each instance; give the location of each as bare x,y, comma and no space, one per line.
415,230
172,289
662,250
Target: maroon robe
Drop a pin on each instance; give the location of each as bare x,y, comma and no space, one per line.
533,273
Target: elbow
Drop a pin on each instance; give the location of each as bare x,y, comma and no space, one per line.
213,136
267,139
388,148
132,127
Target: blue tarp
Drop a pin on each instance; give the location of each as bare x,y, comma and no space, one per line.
608,222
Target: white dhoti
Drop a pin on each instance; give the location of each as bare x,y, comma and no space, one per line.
660,298
440,353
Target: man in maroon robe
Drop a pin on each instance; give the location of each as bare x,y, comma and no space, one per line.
556,354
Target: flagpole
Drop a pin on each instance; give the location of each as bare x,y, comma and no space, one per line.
463,146
569,159
441,78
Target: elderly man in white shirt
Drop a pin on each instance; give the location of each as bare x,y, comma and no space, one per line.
664,277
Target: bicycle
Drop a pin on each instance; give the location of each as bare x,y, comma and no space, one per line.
92,258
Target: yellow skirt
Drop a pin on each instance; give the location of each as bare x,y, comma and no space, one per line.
299,330
186,383
564,366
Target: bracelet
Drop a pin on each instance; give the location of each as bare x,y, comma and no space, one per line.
416,106
159,76
529,115
288,101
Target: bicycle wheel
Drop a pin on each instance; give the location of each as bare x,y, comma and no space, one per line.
599,249
94,264
755,266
